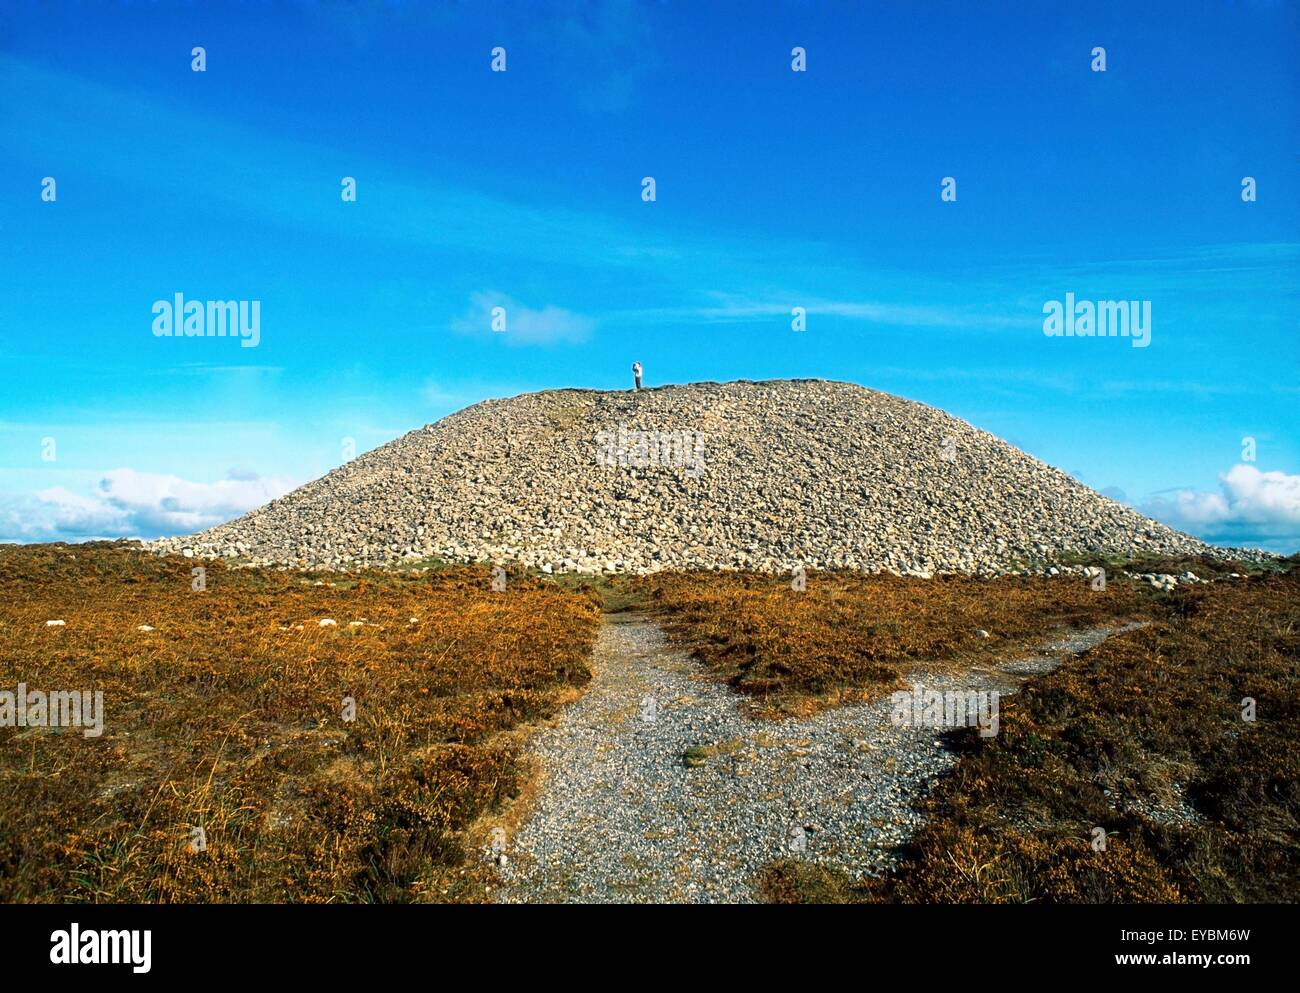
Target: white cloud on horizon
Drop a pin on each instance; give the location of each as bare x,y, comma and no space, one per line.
1253,508
131,504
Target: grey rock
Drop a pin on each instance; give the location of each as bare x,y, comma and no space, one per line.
790,473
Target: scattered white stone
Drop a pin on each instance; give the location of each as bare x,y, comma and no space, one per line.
144,627
327,622
981,633
54,624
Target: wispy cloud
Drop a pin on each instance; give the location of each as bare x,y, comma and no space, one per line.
281,181
719,307
522,325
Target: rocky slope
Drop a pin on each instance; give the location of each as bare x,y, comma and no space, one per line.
760,475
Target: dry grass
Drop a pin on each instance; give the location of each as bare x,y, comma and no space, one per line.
849,636
1148,723
228,717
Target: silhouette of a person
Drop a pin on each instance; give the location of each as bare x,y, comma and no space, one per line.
636,373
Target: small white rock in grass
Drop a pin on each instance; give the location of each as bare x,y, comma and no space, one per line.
981,633
414,620
327,622
54,624
356,624
144,627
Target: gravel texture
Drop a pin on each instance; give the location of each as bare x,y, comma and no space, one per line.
624,817
765,476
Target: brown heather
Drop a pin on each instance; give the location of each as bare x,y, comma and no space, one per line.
222,718
1154,714
850,636
227,716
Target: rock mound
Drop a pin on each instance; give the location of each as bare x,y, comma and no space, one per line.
760,475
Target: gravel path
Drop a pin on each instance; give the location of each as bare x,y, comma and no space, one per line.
622,818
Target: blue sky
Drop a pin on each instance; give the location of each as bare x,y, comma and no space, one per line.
774,189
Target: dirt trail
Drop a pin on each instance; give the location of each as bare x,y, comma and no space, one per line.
622,818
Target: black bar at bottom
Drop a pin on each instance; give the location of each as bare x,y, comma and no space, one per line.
946,944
